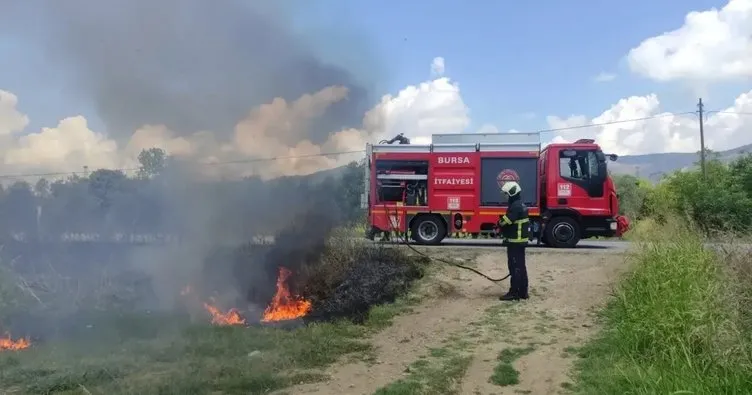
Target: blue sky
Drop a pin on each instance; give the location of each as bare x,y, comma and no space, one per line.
510,58
513,58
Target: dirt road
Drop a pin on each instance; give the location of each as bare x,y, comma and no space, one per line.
462,340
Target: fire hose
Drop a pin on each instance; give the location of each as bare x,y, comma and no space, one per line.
455,264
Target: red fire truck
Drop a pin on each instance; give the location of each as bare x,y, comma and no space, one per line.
453,185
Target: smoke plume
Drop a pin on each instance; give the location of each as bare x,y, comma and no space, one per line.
191,65
212,81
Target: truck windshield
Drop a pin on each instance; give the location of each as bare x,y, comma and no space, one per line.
579,164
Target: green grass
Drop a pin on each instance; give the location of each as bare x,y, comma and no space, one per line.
382,316
504,373
156,354
439,372
671,327
192,360
153,354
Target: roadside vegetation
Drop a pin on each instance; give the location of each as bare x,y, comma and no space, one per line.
680,320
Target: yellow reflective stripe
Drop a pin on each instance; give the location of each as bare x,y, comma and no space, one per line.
517,240
506,219
519,223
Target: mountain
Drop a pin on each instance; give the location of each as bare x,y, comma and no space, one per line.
655,166
650,166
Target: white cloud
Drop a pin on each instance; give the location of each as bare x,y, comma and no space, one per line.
711,45
437,66
666,132
11,120
488,128
419,111
271,130
67,147
604,77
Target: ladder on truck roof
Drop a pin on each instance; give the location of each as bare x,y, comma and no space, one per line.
466,142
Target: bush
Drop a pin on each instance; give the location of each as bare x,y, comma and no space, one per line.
352,276
675,323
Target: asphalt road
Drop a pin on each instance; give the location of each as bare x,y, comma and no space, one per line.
606,246
584,245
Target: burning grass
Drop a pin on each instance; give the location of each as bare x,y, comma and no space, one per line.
224,347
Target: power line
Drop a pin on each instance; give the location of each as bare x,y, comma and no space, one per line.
229,162
270,159
590,125
729,112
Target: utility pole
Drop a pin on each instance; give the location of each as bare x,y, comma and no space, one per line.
700,112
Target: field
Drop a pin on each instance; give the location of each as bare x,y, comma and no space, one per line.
448,334
657,317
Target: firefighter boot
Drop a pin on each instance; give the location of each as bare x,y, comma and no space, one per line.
509,296
512,294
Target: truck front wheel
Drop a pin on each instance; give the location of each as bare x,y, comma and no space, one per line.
562,232
428,229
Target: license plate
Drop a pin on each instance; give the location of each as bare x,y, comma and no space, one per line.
613,225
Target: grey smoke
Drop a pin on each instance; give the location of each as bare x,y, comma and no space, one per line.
193,65
197,65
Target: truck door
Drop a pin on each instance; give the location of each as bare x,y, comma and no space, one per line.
582,175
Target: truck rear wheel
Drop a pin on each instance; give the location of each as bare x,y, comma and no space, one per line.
562,232
428,229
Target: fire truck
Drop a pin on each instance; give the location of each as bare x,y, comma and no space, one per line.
428,192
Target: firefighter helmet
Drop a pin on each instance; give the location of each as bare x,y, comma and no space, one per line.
511,188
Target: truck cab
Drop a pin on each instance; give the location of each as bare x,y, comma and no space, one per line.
578,196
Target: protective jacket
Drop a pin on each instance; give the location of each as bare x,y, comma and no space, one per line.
515,224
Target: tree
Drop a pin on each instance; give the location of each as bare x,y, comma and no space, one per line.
19,209
350,190
632,193
42,188
741,171
104,184
152,162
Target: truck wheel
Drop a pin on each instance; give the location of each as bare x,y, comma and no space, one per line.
429,229
371,233
562,232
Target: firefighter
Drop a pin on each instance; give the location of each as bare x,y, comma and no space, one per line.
515,229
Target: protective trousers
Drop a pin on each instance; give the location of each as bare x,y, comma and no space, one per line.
517,268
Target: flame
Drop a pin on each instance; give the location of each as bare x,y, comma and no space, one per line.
7,343
284,306
231,317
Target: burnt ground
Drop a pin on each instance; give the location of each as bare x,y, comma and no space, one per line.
65,290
